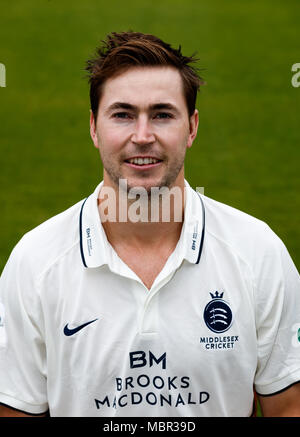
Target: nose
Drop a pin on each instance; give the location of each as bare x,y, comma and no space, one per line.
143,133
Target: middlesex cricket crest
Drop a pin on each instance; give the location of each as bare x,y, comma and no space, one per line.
217,314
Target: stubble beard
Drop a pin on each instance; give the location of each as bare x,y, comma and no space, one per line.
167,180
155,202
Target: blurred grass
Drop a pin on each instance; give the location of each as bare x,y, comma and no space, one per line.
247,150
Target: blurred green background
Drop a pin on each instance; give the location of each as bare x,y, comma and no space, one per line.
247,150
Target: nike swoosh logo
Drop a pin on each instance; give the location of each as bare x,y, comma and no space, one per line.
68,331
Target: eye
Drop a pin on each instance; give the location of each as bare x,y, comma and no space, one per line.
124,115
163,115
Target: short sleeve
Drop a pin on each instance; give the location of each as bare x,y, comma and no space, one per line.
277,319
23,379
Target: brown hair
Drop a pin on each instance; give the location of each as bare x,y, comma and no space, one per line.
120,51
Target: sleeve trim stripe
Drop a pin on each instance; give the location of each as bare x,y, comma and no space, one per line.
23,406
25,412
279,391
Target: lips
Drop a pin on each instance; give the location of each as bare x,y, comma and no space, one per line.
143,161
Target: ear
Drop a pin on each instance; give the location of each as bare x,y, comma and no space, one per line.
194,122
93,131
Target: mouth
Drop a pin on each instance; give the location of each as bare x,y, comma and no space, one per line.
144,162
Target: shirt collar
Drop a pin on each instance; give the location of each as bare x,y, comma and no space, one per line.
193,229
96,250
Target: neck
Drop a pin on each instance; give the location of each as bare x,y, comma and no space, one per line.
142,219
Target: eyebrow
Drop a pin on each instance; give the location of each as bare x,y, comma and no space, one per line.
154,107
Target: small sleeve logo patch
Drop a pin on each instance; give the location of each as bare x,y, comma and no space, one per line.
296,335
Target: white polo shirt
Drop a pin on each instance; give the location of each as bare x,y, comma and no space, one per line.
81,335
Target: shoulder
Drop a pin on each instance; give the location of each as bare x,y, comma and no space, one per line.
229,221
247,242
247,236
43,245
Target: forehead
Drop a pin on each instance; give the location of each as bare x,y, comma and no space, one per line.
143,86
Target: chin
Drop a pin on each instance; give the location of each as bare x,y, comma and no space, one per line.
147,185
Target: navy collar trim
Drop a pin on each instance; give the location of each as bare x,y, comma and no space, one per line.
203,230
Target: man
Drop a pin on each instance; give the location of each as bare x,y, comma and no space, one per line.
117,307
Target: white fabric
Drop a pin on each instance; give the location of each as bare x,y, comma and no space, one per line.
219,318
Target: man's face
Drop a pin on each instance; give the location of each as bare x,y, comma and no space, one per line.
143,128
